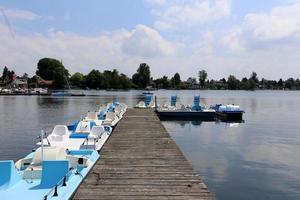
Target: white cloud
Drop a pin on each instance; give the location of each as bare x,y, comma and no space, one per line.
260,31
282,21
232,40
18,14
188,13
206,45
116,49
156,2
146,42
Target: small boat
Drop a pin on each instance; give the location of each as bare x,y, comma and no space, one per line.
78,94
80,135
39,91
61,94
47,173
108,114
148,103
228,112
174,111
147,92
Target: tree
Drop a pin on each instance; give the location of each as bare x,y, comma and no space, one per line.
280,84
125,82
254,77
77,79
163,82
111,79
5,73
297,84
95,79
202,77
52,69
290,83
176,81
142,78
233,83
253,81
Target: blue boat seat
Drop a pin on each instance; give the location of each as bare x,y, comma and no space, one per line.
196,106
73,126
115,102
102,115
111,108
83,130
79,135
53,171
108,129
148,100
8,174
173,100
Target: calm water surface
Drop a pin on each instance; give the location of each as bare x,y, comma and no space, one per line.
257,159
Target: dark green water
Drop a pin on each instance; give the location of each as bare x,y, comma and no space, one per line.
257,159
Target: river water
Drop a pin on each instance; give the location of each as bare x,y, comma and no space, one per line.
256,159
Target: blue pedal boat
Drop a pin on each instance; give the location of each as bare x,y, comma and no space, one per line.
47,173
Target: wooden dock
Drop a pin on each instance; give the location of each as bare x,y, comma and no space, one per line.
141,161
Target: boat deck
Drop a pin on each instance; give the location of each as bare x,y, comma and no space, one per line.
141,161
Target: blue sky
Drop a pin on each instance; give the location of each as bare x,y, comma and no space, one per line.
221,36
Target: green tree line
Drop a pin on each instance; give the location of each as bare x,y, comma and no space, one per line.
54,70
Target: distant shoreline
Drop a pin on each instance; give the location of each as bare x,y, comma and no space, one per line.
116,90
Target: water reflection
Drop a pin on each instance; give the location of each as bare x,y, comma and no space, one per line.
183,123
253,159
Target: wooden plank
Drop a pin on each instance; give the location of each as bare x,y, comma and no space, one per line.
141,161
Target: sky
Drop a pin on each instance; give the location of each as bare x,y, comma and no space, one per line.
222,37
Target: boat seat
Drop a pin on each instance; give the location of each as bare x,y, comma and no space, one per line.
60,130
83,127
118,111
96,132
74,160
49,153
92,115
23,163
107,128
57,138
110,116
173,100
111,108
148,100
152,104
102,114
8,174
141,104
34,170
53,171
103,107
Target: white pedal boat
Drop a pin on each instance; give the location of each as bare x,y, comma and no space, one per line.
81,135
